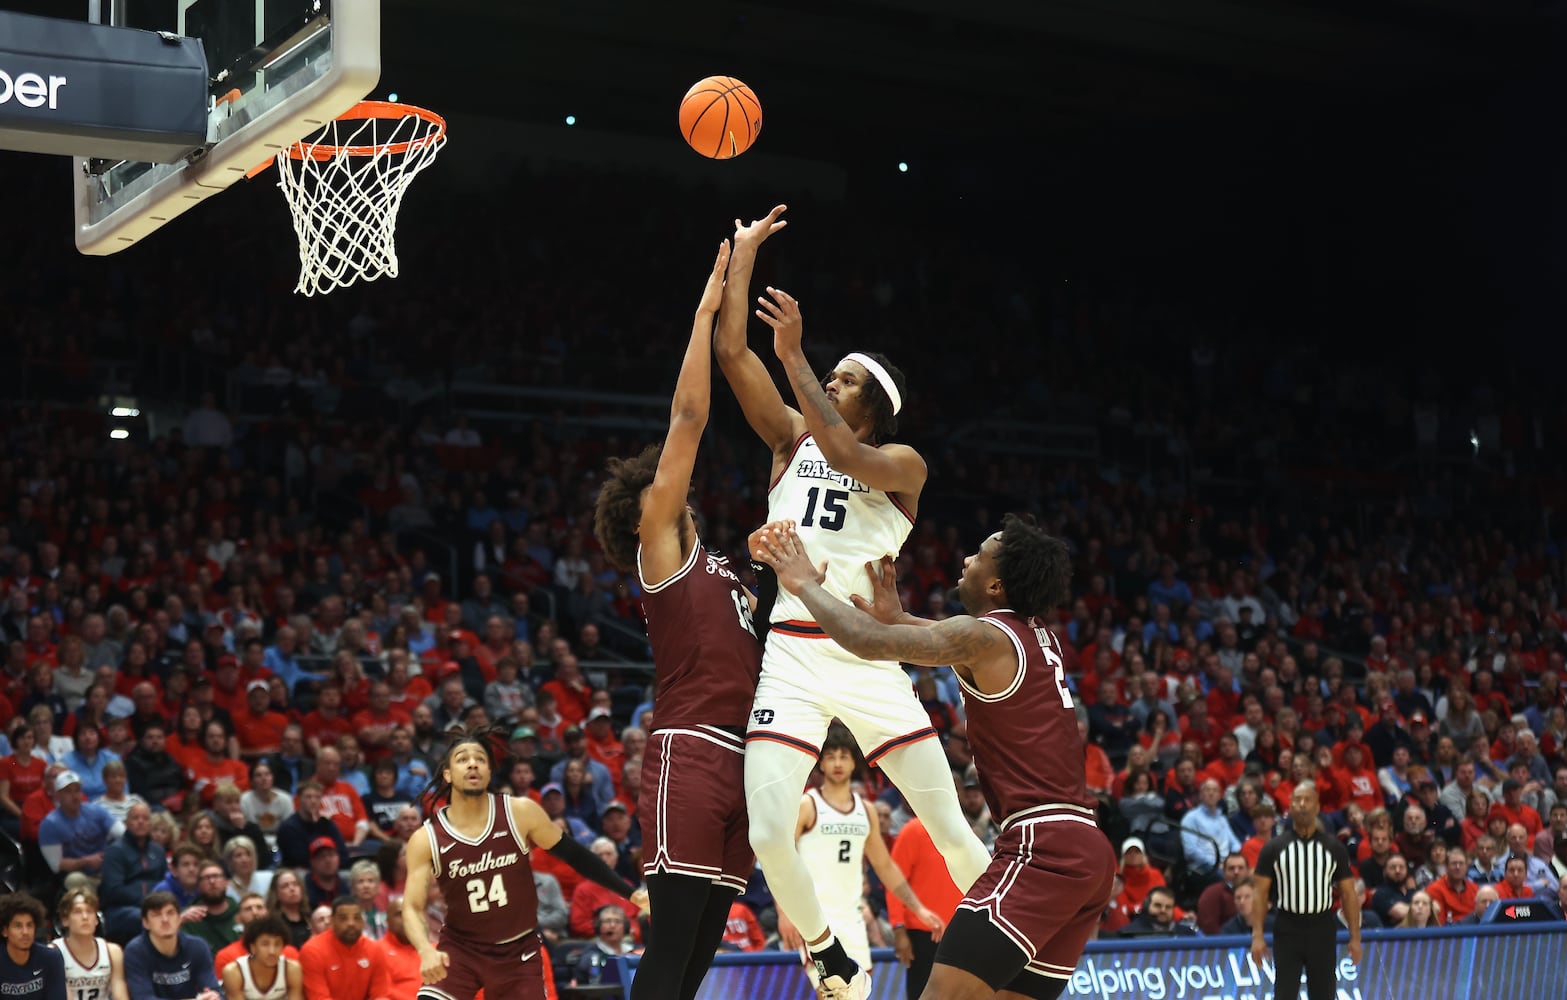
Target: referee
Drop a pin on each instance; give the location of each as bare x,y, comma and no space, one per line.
1301,867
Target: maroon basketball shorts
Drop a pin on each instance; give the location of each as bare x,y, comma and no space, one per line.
692,808
510,971
1046,887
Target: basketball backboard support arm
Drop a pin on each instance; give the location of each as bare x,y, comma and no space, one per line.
317,70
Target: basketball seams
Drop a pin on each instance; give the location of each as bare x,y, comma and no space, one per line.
695,122
739,102
723,130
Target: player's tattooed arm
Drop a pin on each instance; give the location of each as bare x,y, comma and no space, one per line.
895,468
955,641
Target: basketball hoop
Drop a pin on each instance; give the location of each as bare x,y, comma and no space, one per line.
344,186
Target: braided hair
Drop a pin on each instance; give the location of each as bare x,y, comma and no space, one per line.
439,791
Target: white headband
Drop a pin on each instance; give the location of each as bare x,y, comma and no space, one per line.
880,375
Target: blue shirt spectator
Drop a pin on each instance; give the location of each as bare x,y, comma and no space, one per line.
1207,822
283,660
75,836
88,765
1169,591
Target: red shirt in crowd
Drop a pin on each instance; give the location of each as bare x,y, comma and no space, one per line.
741,931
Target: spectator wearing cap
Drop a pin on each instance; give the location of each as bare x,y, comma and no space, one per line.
1387,735
1138,877
523,744
552,798
325,880
75,835
600,740
599,780
971,799
626,836
1512,808
257,727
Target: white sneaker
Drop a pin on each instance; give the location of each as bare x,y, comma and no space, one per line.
834,988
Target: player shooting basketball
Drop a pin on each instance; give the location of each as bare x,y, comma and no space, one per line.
854,495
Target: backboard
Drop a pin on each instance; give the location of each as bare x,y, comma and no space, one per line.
280,70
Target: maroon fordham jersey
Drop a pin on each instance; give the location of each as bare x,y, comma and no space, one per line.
1025,742
704,645
487,882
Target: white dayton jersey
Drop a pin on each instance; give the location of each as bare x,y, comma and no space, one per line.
834,851
840,520
247,978
86,982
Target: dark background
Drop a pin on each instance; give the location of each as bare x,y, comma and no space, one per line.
1368,176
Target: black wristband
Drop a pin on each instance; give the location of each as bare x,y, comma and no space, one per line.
590,866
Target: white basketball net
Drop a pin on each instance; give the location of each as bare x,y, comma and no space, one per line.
344,187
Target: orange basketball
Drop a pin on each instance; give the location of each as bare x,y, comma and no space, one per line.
720,117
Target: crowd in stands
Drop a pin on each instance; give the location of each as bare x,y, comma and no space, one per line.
236,647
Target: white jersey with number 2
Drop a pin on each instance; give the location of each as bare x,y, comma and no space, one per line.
833,849
840,520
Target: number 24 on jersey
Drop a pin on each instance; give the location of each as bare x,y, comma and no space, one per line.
481,896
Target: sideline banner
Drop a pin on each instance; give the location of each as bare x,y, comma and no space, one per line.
1475,964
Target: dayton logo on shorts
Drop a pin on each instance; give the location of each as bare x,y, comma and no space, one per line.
763,716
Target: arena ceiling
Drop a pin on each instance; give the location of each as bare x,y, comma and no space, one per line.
842,69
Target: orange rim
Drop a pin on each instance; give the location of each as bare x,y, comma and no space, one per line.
375,109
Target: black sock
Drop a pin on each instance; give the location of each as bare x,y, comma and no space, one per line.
834,959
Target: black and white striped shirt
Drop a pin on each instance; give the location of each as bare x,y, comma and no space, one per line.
1304,872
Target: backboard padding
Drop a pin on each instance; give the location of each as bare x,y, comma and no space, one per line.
279,76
